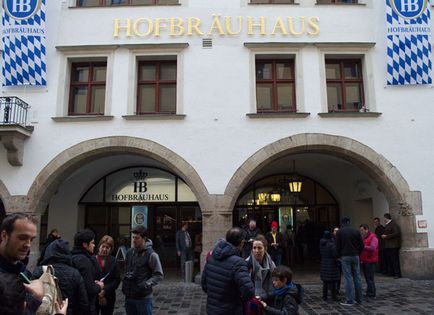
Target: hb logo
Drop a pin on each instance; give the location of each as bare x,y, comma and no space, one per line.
21,9
409,9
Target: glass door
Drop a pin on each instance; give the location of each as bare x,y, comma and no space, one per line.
163,234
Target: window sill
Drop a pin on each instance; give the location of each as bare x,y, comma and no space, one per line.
277,115
349,114
82,118
154,117
342,4
289,3
124,5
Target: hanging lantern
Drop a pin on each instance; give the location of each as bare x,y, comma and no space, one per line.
295,185
275,197
262,197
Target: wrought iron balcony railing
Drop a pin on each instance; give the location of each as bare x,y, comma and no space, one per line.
13,111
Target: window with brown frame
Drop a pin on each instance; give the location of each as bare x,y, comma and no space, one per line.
102,3
272,1
156,88
344,85
87,88
337,1
275,85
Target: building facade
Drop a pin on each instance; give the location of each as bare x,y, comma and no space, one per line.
165,111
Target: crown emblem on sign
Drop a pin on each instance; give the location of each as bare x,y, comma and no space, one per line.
140,175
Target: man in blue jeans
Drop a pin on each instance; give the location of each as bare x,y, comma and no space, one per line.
349,245
143,271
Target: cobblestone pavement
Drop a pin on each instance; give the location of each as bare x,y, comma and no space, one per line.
400,296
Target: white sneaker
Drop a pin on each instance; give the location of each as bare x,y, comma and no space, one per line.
346,303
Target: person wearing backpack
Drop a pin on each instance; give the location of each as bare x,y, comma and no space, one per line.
142,272
84,244
286,295
71,282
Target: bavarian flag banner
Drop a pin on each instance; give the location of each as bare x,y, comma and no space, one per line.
23,40
408,42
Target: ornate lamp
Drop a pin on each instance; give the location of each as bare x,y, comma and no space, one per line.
262,197
275,196
295,183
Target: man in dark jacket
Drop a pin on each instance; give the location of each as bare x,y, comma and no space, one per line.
54,235
84,244
349,245
275,243
71,282
17,232
143,272
184,246
251,232
225,277
379,230
392,243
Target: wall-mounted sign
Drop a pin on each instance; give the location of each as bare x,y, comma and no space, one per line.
216,25
408,42
422,224
138,185
23,39
139,216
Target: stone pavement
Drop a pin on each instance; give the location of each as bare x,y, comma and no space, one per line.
402,296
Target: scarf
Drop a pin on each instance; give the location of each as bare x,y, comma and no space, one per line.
281,291
260,273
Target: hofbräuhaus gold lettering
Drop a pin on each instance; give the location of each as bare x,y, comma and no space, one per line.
220,25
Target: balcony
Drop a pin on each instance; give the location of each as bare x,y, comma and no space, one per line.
13,128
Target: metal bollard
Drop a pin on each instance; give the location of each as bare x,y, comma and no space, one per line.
189,271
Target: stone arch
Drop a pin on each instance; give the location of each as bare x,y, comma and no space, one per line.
47,181
416,257
4,195
386,175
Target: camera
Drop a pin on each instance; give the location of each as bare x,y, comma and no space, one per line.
129,275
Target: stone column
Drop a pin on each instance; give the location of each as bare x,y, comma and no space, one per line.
416,257
216,221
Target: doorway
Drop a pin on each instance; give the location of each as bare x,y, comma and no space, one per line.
163,221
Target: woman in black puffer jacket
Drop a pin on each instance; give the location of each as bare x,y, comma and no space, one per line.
70,281
329,272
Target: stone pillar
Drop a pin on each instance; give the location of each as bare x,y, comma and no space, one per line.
416,257
215,224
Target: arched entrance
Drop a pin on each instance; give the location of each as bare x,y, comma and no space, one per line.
77,173
402,203
305,212
143,195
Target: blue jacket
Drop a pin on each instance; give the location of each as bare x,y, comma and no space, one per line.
226,281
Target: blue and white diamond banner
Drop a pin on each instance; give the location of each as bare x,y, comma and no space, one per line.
408,42
23,39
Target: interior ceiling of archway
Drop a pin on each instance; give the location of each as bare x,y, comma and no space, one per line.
322,168
96,169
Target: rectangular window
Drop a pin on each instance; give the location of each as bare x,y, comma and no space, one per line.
275,86
87,88
156,90
344,85
271,1
101,3
337,1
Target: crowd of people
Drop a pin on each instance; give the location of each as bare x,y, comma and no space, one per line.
245,269
87,281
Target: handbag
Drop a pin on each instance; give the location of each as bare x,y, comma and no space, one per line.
253,307
52,291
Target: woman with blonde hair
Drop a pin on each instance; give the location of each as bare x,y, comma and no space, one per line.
108,273
261,266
